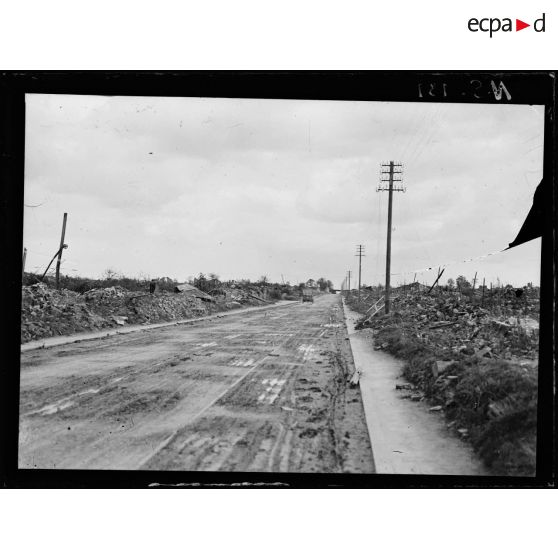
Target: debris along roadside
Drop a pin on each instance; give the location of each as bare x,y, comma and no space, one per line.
47,312
476,365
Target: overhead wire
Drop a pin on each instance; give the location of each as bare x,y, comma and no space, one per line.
414,137
420,137
438,118
379,229
446,264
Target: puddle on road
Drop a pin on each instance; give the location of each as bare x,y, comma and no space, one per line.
272,391
89,391
61,404
54,408
242,363
280,334
307,351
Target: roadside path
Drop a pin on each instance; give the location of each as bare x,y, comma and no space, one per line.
405,437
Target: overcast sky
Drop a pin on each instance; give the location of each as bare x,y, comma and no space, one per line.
246,187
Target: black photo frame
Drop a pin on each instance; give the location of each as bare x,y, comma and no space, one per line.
529,87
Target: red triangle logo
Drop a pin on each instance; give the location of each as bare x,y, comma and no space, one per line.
519,25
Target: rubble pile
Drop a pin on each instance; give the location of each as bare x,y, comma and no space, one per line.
145,309
246,295
47,312
452,326
98,296
134,307
190,290
476,366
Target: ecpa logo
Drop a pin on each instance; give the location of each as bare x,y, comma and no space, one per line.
494,24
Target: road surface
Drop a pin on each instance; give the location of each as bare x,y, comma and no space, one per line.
265,391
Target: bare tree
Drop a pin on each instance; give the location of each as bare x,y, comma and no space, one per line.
462,283
110,274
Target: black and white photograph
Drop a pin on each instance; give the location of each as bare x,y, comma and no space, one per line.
278,278
279,286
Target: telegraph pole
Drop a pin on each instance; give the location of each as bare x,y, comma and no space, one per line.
360,253
24,257
62,246
388,173
349,276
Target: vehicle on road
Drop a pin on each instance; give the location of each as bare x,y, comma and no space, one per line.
307,295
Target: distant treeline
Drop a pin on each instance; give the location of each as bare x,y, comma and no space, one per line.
83,284
208,283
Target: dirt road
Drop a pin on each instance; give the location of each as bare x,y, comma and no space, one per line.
265,391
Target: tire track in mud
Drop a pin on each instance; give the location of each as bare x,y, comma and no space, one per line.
254,393
110,402
280,442
261,439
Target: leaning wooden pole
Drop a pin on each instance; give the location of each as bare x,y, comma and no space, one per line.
437,279
62,245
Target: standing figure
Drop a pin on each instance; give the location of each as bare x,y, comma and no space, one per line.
152,286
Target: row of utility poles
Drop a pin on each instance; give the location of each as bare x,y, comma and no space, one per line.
390,181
